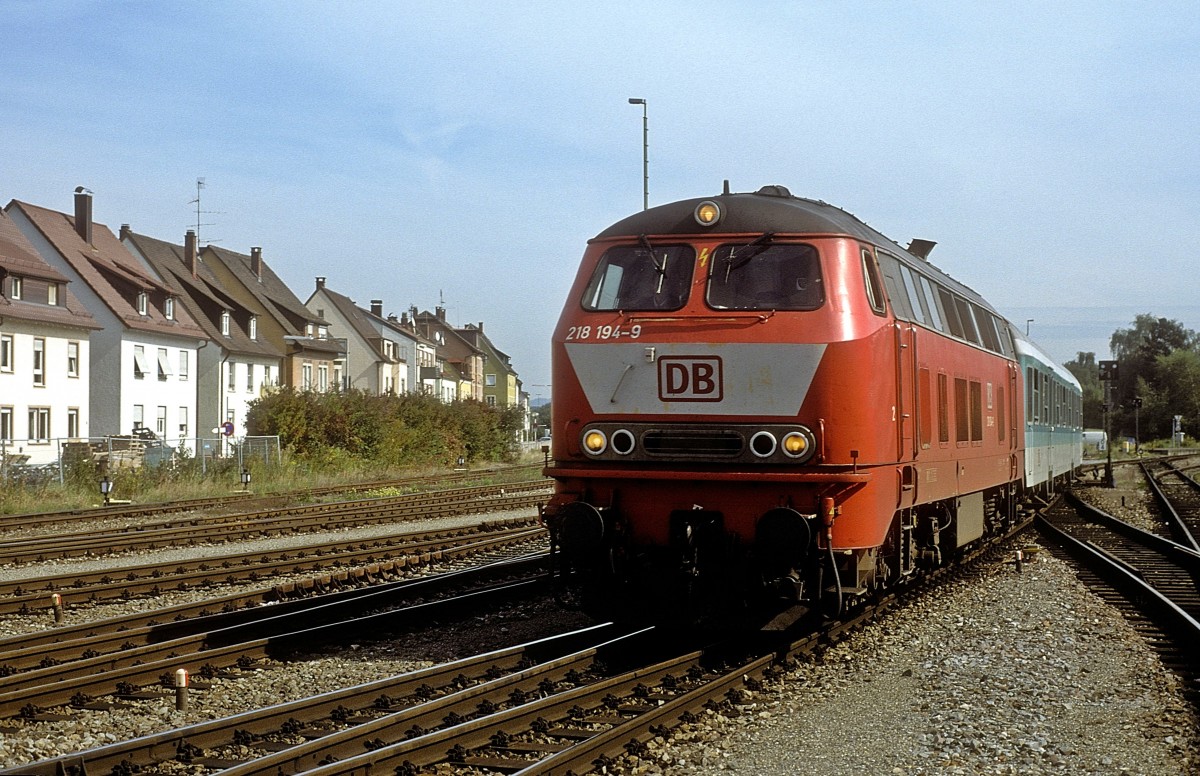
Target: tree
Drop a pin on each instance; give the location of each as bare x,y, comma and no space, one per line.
1140,352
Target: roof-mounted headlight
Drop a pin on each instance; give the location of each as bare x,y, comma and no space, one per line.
707,213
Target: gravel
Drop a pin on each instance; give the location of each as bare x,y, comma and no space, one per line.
998,673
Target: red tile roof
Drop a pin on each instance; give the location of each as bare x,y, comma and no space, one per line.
110,270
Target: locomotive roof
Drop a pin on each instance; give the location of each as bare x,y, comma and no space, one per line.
773,209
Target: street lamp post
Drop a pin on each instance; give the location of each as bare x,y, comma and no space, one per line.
645,152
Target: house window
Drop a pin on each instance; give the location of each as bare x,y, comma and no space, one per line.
52,294
169,308
183,422
489,381
6,429
39,425
141,302
491,400
160,425
323,377
164,369
267,375
6,353
306,376
73,422
308,330
139,362
39,361
225,323
337,375
253,327
16,286
72,359
139,415
231,383
249,378
183,365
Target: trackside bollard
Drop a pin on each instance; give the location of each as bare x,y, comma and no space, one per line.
57,604
181,690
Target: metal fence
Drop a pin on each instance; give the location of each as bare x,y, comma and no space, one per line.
25,461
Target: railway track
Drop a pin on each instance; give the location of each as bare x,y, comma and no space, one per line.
243,501
118,662
201,529
505,712
1150,578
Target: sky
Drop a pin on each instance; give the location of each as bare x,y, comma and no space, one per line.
462,154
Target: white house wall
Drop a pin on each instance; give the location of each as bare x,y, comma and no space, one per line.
60,393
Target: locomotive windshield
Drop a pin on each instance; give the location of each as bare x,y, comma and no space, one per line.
765,276
641,277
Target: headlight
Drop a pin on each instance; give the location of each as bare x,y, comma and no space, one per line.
799,444
707,213
595,442
763,444
623,441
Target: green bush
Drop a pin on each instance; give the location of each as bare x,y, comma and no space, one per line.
345,429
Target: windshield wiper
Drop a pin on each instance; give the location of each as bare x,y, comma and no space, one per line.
661,270
740,256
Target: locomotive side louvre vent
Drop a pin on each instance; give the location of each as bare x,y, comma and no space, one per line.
696,443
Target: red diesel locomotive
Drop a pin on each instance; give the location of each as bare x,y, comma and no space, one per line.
758,397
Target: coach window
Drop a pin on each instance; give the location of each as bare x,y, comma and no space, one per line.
931,306
641,277
765,277
873,285
952,321
914,296
968,323
987,329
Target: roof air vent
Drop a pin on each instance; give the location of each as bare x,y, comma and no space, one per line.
774,191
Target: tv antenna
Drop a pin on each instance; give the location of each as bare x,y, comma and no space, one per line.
199,187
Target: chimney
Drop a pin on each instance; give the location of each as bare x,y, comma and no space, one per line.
83,214
481,326
377,308
126,231
189,251
440,312
256,262
392,318
320,282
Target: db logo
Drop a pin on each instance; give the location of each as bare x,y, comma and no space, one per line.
689,378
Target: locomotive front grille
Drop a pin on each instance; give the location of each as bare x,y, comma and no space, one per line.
693,443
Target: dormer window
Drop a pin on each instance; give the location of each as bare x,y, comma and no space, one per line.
142,302
15,286
225,323
52,294
169,308
253,327
308,330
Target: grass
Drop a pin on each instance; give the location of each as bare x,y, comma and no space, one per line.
153,485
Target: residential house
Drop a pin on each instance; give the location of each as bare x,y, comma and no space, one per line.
143,354
501,386
44,354
238,364
383,355
312,360
461,358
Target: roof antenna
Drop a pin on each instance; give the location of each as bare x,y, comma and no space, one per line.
726,191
